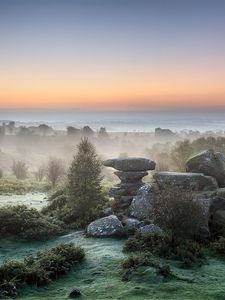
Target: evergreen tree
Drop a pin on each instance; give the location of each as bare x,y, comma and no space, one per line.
84,183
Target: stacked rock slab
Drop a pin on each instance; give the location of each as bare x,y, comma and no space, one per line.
130,171
185,181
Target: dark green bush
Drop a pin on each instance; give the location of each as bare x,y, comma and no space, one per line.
133,262
218,247
165,271
59,208
38,270
27,223
186,251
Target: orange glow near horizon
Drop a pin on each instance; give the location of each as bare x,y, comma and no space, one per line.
112,91
120,55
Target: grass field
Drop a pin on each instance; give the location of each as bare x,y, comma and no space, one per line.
99,276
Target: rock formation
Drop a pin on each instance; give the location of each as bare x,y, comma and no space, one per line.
209,163
135,200
130,172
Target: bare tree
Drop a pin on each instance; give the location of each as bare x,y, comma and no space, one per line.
40,173
55,170
178,212
19,169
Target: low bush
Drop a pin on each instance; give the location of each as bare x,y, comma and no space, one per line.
165,271
27,223
186,251
38,270
177,212
59,208
218,247
56,202
133,262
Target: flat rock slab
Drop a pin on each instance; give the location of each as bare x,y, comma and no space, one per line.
193,181
105,227
130,164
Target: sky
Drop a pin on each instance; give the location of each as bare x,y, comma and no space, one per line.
112,54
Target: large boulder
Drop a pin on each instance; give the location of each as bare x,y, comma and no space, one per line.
105,227
131,164
185,181
209,163
141,205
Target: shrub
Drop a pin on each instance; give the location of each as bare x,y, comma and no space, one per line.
165,271
218,247
186,251
1,173
133,262
178,213
56,202
38,270
19,169
27,223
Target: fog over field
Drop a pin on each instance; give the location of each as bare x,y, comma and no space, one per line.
37,135
121,121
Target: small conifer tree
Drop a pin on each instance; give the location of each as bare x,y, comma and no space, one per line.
84,183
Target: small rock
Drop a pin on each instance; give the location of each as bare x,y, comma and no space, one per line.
75,293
